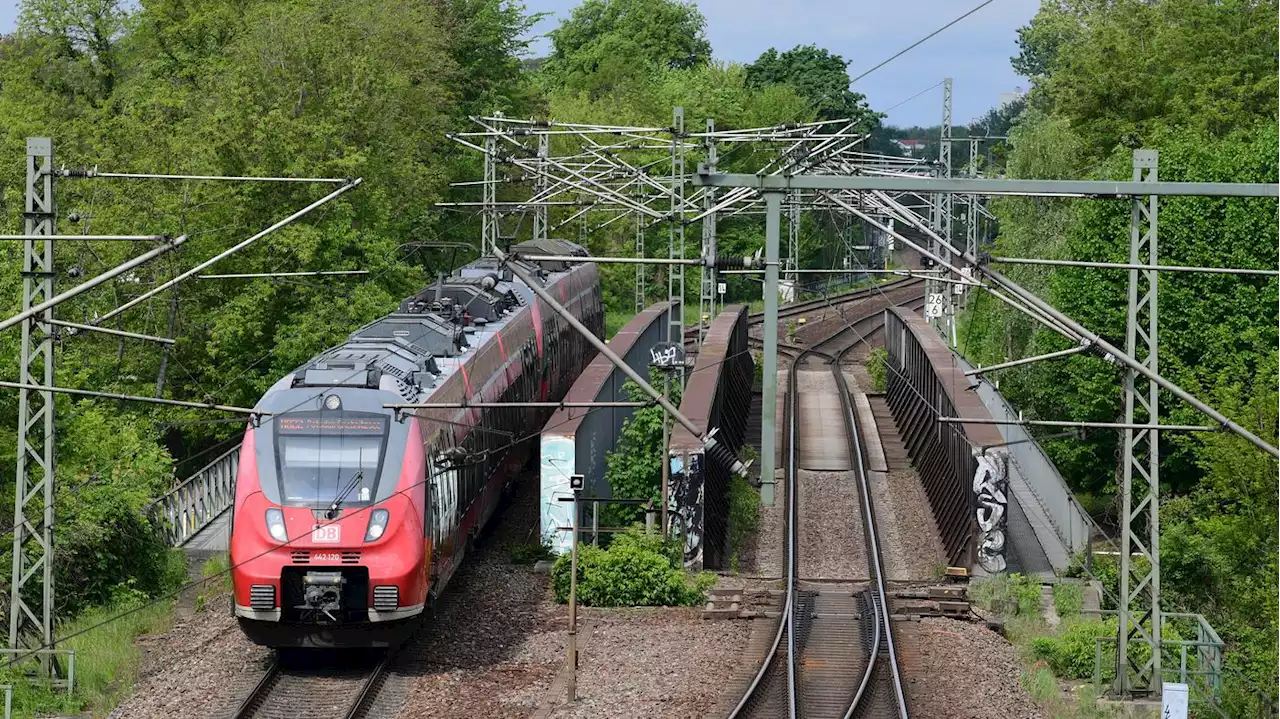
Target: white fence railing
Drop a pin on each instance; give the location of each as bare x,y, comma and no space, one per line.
192,505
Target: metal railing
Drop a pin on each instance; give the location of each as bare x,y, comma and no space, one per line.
66,683
194,504
1048,488
1198,661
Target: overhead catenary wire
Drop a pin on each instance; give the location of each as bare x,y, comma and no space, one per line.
909,99
921,41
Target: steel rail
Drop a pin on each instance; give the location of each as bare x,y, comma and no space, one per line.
883,621
786,621
797,308
260,692
358,707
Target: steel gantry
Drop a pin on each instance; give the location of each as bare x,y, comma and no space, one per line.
31,610
1140,620
1140,610
940,296
609,173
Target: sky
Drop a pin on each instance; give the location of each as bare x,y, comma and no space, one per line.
975,52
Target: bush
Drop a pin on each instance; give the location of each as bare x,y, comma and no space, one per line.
637,569
633,469
744,516
1011,594
1072,654
1068,599
877,362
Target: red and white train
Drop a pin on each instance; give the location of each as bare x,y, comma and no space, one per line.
350,517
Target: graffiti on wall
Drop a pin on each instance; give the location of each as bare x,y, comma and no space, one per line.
990,489
558,461
684,505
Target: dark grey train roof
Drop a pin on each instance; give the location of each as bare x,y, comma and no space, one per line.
411,350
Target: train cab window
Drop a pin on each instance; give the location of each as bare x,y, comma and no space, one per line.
323,457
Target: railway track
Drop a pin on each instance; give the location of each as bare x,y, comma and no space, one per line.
287,692
833,653
796,309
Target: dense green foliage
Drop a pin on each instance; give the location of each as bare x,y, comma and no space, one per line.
744,514
633,468
637,570
818,76
877,367
1110,77
606,41
309,88
1072,654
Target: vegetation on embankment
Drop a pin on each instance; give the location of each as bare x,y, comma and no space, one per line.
637,569
1050,654
1110,77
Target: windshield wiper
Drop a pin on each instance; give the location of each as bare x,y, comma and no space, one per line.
332,512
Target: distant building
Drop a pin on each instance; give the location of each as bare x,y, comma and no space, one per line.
1008,98
911,147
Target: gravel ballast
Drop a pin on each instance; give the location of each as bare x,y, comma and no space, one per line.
831,541
198,668
960,670
655,663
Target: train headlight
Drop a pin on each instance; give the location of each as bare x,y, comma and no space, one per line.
275,525
377,524
333,401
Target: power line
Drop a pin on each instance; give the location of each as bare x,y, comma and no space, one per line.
921,41
909,99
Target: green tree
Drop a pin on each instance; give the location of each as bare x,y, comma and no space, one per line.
633,469
818,76
606,44
1111,76
78,40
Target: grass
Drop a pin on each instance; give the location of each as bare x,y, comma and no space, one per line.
1068,599
744,517
529,552
216,570
107,659
1017,600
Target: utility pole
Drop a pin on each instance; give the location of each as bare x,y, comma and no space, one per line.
666,457
707,297
1140,520
640,289
31,611
489,199
948,319
768,420
675,248
571,646
793,242
540,184
971,221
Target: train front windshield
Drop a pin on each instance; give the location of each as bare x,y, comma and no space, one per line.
323,457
